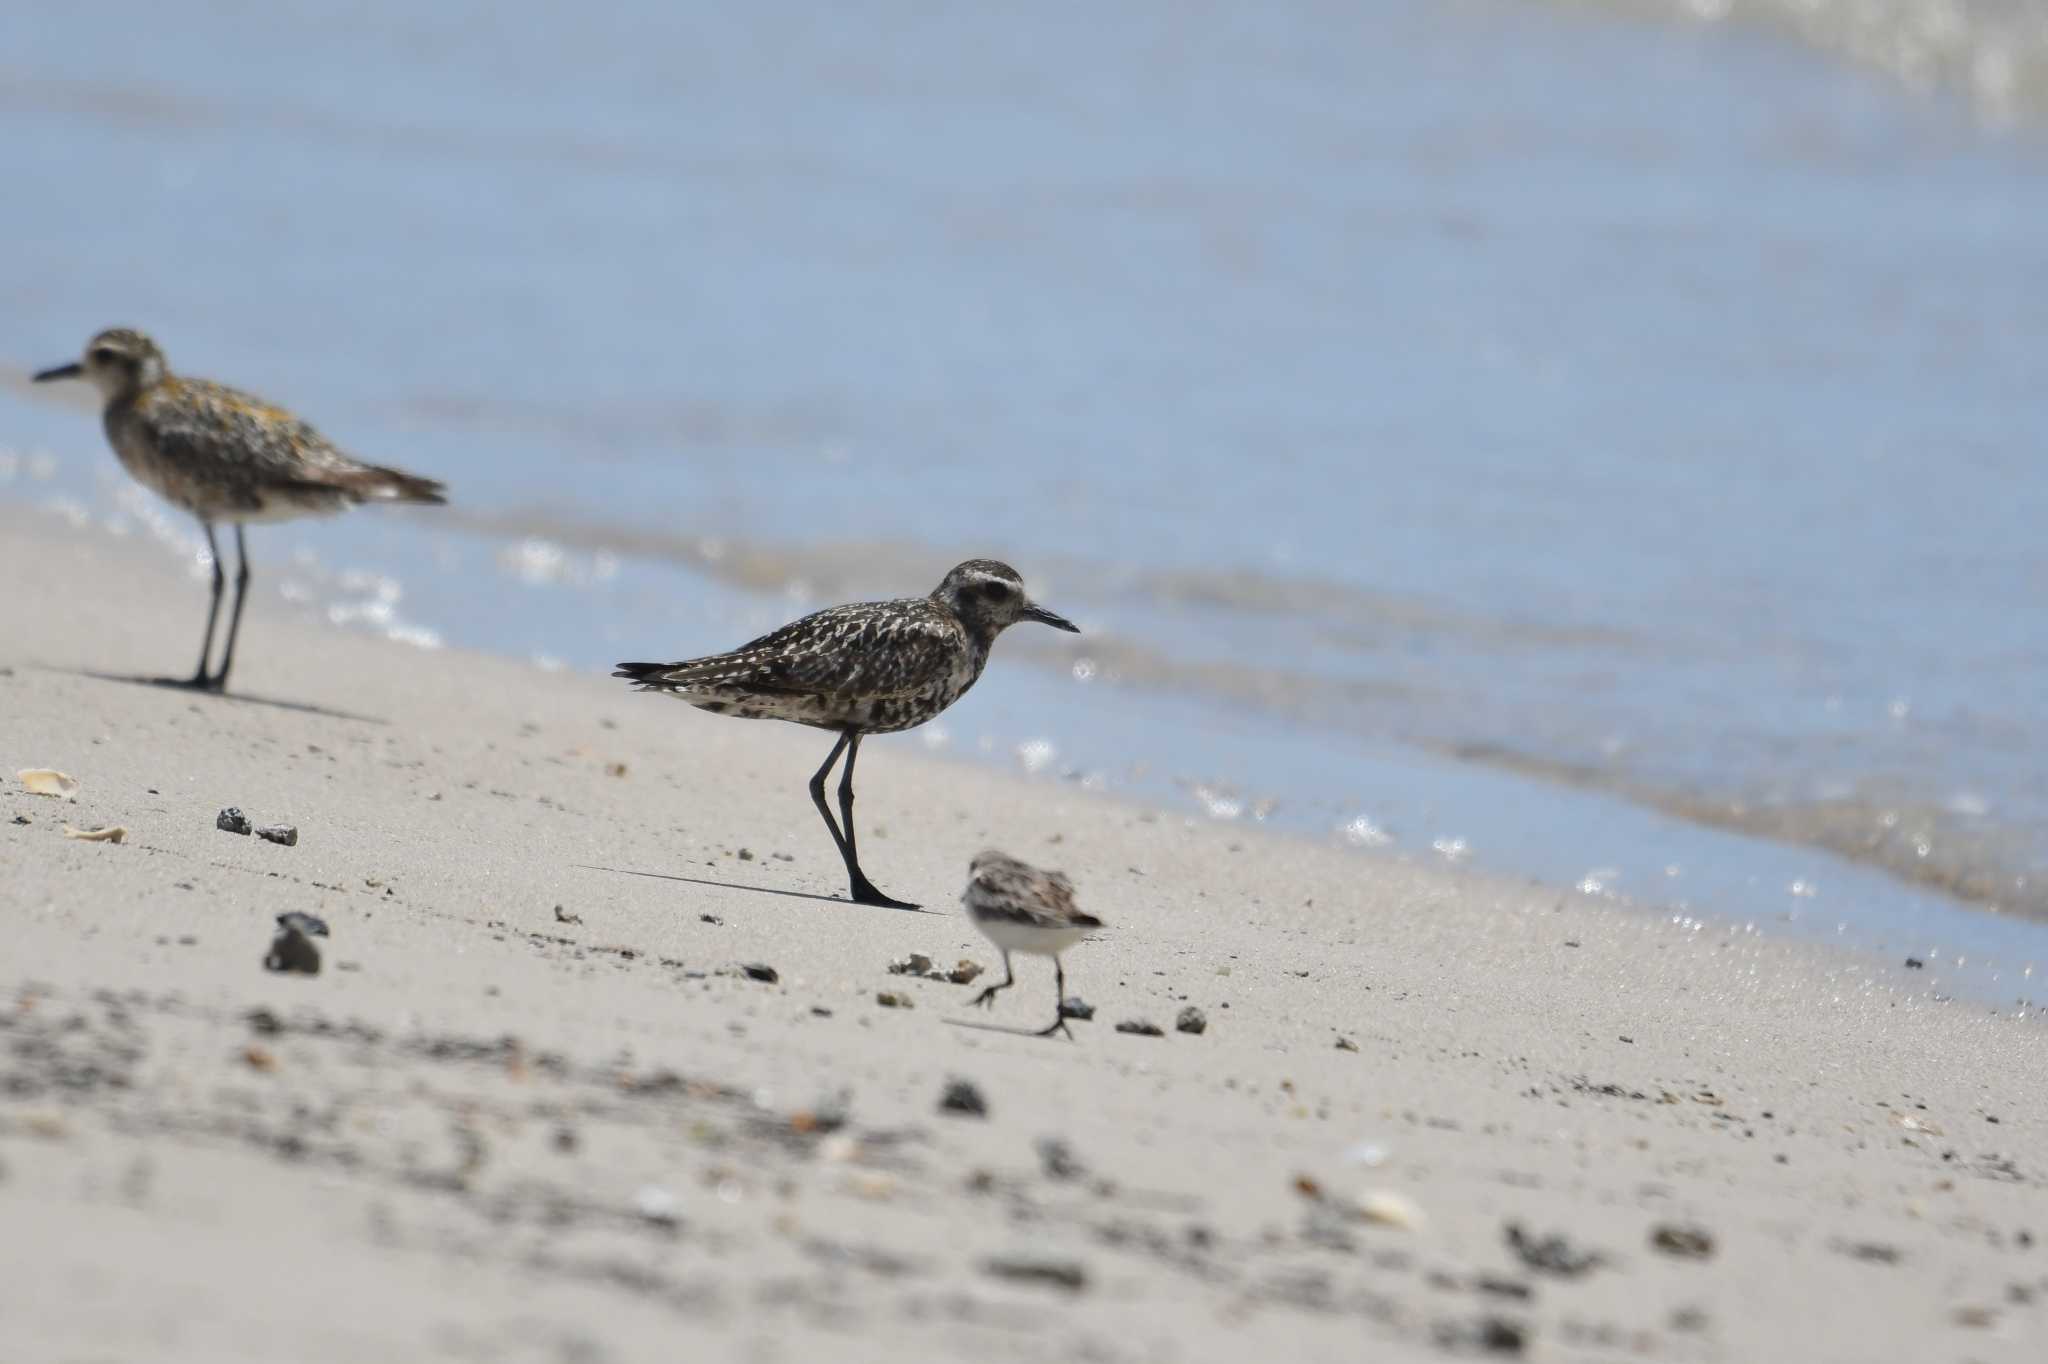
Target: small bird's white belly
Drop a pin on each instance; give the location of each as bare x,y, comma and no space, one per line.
1028,938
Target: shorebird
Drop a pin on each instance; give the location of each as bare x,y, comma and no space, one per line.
868,668
1022,909
223,456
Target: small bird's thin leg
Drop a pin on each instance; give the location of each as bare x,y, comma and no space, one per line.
863,890
1059,1011
219,681
199,677
1009,978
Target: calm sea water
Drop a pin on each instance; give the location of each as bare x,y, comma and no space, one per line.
1601,449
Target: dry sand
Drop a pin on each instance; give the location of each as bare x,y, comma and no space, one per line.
486,1133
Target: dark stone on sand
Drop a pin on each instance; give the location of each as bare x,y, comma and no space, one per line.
755,970
1068,1274
1682,1242
265,1022
1073,1006
1483,1335
1915,964
962,1097
563,916
1191,1020
1552,1254
1058,1160
1141,1028
285,834
709,919
231,820
291,951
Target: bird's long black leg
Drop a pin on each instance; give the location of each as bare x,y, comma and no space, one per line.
1059,1008
227,658
818,797
1009,978
863,890
220,580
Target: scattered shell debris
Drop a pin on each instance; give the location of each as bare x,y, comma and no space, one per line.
286,834
916,964
1139,1027
113,833
1191,1020
48,781
889,999
232,820
1386,1208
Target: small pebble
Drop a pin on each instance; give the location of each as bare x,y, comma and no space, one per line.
563,916
889,999
311,925
961,1096
1191,1020
709,919
231,820
1683,1242
916,964
1057,1159
293,952
1067,1274
286,834
755,970
1915,964
1346,1044
1140,1027
964,971
745,854
1073,1006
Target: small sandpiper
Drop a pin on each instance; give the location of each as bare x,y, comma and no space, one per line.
1022,909
223,456
867,668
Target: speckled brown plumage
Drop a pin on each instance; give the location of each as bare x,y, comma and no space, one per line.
224,456
865,668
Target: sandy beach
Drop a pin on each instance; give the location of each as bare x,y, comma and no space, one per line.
534,1107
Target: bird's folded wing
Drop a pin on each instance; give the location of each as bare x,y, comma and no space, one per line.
843,651
212,426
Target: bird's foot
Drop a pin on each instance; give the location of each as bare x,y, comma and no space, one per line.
863,892
198,681
1058,1025
987,998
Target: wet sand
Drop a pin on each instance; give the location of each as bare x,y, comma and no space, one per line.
491,1130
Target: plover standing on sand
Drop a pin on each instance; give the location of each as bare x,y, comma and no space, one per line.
868,668
223,456
1022,909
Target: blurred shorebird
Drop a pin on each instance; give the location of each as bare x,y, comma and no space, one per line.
868,668
1022,909
223,456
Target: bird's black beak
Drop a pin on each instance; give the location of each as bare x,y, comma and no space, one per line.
1033,611
74,370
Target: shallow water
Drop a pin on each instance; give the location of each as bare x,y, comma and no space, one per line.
1584,446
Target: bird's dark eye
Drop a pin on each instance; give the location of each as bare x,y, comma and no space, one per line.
993,591
105,355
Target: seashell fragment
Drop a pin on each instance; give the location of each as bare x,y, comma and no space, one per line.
48,781
113,833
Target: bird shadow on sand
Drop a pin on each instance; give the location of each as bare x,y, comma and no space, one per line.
231,697
741,885
976,1025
